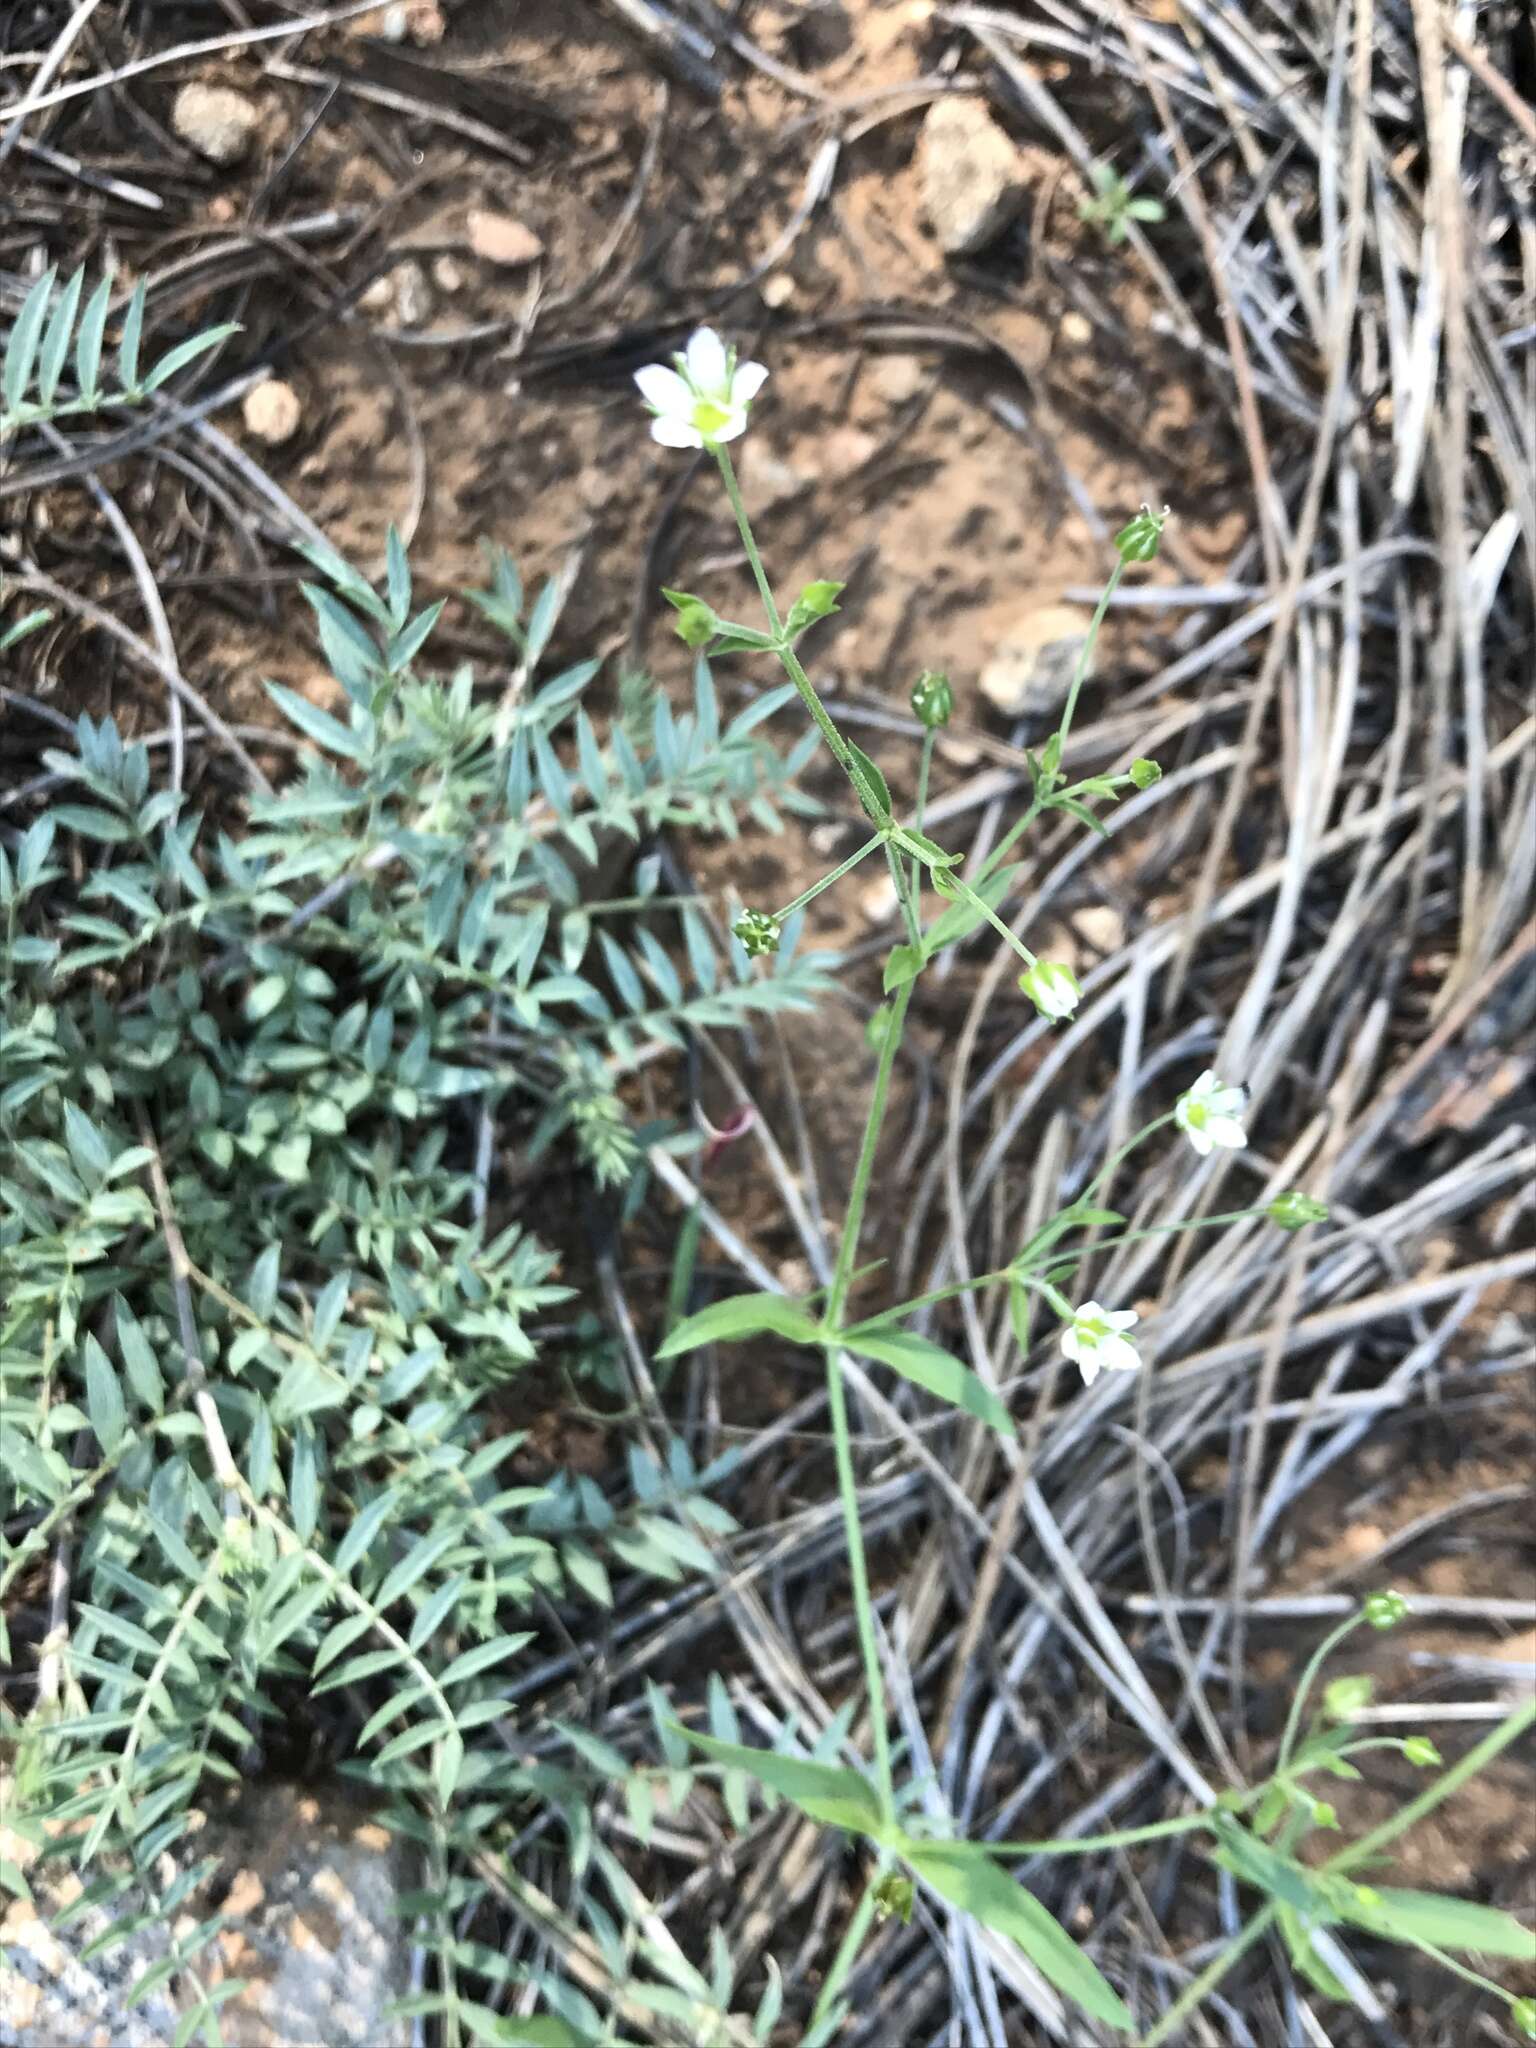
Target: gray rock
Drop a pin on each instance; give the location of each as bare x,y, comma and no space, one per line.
307,1885
972,176
216,121
1031,668
413,298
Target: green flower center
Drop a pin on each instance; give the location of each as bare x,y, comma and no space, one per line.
709,416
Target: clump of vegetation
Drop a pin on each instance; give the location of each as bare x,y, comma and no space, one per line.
264,1292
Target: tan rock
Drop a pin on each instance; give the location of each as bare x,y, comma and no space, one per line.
1101,928
878,900
1031,668
972,176
499,238
272,412
895,379
216,121
777,290
768,479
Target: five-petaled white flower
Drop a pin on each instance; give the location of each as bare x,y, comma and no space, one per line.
704,400
1092,1340
1208,1113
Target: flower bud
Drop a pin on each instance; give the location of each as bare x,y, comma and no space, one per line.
878,1027
1294,1211
1144,772
932,699
1052,987
1344,1698
1419,1750
757,931
1385,1610
893,1898
1137,541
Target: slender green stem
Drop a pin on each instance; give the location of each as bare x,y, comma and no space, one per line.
924,765
1085,659
847,1953
1200,1987
790,661
1450,1781
906,887
1009,840
837,874
1084,1845
968,894
1314,1664
1124,1153
837,1296
748,540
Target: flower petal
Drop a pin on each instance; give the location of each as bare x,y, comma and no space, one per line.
1122,1319
1201,1140
735,426
1205,1084
1073,1347
747,382
672,433
1227,1132
708,363
664,389
1089,1368
1117,1355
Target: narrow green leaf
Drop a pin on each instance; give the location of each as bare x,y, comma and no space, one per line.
103,1397
1443,1922
742,1315
825,1792
187,352
472,1662
990,1895
56,342
128,345
931,1367
878,803
88,340
314,723
21,350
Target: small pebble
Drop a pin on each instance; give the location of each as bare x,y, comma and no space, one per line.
413,301
272,412
216,121
448,275
777,290
498,238
1031,668
1076,329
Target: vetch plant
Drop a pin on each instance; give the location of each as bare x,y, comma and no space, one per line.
262,1274
1253,1835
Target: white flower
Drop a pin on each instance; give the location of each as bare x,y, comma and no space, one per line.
1092,1340
705,399
1207,1114
1052,988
